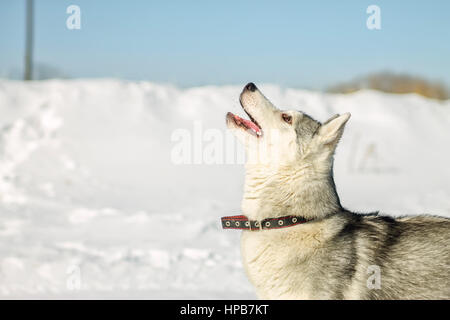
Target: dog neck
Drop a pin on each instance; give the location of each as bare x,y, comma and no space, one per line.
301,190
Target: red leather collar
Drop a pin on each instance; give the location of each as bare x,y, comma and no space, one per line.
243,223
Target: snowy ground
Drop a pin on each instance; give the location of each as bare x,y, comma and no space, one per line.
92,204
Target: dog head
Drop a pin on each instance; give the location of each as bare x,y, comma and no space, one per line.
277,137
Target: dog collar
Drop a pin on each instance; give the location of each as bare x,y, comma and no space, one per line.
243,223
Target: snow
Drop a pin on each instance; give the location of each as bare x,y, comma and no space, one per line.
94,204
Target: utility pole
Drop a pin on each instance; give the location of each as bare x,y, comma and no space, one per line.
28,74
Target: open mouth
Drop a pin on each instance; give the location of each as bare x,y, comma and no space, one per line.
251,125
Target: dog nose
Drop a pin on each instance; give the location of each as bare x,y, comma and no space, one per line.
250,87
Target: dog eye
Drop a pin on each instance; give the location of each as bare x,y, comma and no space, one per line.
287,118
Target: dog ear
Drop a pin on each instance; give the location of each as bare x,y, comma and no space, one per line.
332,129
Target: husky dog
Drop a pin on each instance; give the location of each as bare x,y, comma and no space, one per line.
337,254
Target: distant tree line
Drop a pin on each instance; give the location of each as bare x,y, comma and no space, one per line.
395,83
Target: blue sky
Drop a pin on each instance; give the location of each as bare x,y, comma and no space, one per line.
310,44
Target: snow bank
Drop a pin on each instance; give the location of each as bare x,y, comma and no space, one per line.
92,204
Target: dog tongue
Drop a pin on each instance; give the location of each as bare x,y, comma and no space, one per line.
248,123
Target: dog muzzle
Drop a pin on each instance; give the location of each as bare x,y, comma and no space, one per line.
243,223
